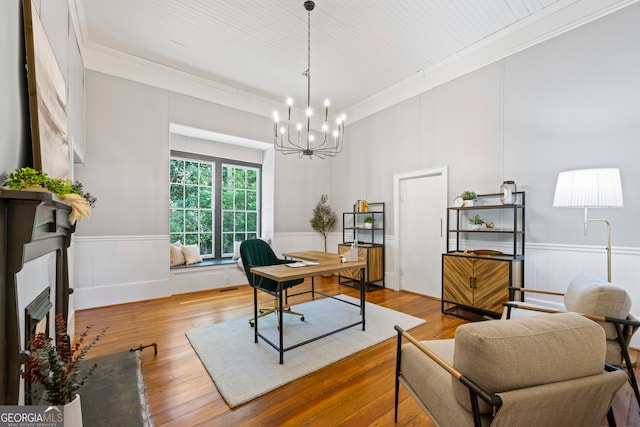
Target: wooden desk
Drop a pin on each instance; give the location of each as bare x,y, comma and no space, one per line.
316,256
281,273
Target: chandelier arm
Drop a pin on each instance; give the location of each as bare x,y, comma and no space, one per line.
298,147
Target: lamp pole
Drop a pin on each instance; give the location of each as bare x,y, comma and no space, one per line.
608,248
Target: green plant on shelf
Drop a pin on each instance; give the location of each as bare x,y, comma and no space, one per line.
476,220
468,195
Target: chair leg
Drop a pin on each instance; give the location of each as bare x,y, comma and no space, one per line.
274,309
627,361
611,419
633,381
398,360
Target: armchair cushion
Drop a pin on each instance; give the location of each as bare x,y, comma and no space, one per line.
591,294
504,355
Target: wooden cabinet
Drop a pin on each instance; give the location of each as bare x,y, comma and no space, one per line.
475,281
367,228
373,255
477,284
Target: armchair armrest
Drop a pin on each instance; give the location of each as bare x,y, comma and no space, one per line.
622,322
403,334
514,304
514,289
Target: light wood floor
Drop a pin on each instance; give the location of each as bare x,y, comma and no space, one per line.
357,391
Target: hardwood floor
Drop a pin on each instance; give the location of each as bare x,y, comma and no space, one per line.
356,391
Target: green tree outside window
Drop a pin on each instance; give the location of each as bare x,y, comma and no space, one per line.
192,211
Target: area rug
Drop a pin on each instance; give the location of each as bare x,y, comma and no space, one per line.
243,370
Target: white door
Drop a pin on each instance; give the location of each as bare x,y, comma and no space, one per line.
422,208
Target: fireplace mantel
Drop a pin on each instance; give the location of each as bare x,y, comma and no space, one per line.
32,224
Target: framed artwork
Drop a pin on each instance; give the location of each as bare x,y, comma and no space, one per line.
47,100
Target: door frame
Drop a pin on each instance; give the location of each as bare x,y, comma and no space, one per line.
397,181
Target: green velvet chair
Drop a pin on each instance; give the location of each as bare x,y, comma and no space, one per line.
257,253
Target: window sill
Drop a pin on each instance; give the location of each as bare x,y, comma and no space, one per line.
206,263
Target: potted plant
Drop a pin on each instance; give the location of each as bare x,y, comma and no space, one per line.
324,218
476,222
468,197
368,222
56,366
72,193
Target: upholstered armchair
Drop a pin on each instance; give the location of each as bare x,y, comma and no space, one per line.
547,370
607,304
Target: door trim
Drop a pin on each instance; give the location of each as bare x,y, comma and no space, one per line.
397,181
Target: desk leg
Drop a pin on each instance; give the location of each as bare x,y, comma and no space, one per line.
362,299
281,323
255,314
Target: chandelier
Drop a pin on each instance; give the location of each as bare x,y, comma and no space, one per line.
303,140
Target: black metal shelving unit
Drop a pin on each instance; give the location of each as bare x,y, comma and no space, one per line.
371,245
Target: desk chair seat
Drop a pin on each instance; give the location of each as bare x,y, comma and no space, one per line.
257,253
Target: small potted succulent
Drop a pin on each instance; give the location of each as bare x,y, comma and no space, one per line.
468,197
368,222
476,222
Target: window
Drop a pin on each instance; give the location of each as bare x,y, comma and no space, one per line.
239,205
213,203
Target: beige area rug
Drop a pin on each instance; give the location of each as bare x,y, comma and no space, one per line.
234,361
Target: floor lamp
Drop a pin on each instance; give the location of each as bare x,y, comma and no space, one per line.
590,188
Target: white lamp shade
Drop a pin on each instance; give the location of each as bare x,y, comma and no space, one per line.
589,188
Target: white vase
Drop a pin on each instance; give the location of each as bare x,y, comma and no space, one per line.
73,413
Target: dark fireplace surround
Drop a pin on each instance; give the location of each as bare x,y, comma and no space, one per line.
32,224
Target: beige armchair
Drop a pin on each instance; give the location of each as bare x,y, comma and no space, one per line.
607,304
546,370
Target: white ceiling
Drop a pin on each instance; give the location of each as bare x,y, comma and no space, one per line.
359,48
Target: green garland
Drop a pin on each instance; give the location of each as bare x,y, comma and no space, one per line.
26,177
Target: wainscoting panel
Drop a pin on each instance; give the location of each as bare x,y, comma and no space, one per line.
118,269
